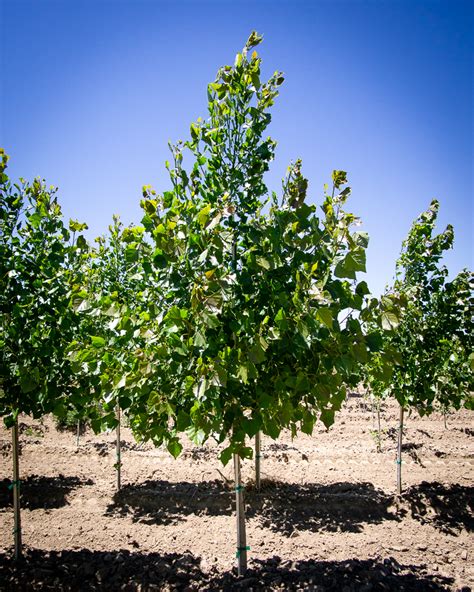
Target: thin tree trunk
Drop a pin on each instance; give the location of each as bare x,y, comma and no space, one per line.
372,409
379,431
118,451
399,452
16,492
257,461
240,512
78,432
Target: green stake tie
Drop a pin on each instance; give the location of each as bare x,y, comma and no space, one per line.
399,462
240,488
240,549
14,484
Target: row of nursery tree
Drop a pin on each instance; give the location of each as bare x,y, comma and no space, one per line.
229,311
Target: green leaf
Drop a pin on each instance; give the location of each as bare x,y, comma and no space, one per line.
81,243
325,316
257,354
194,132
262,262
80,304
28,383
210,320
121,382
327,417
302,383
226,455
281,320
214,222
271,428
352,262
307,423
76,226
199,339
254,40
361,238
362,289
174,447
203,215
389,320
255,80
221,374
131,254
183,421
374,341
242,373
196,435
35,219
251,426
360,352
265,401
97,341
245,452
339,178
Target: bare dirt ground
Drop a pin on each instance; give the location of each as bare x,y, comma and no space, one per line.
326,518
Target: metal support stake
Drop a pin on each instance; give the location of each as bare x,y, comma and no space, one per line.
16,492
257,461
399,452
240,512
118,450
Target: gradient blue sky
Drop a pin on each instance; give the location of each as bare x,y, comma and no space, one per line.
91,92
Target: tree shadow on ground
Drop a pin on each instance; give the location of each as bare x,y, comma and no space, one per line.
86,571
448,508
165,502
38,492
282,507
336,507
350,575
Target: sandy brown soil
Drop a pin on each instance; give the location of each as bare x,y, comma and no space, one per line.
325,519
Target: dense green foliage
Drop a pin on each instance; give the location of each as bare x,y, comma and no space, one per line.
37,256
244,302
231,309
109,346
435,338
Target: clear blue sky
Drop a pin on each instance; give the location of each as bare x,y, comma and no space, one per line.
92,91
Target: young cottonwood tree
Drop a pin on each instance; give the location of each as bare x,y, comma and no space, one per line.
383,312
435,338
109,348
36,321
249,297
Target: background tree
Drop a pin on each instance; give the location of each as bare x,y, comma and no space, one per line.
36,321
435,337
108,349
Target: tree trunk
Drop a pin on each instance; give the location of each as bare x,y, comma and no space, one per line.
118,451
379,431
372,408
399,452
240,512
78,432
16,492
257,461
